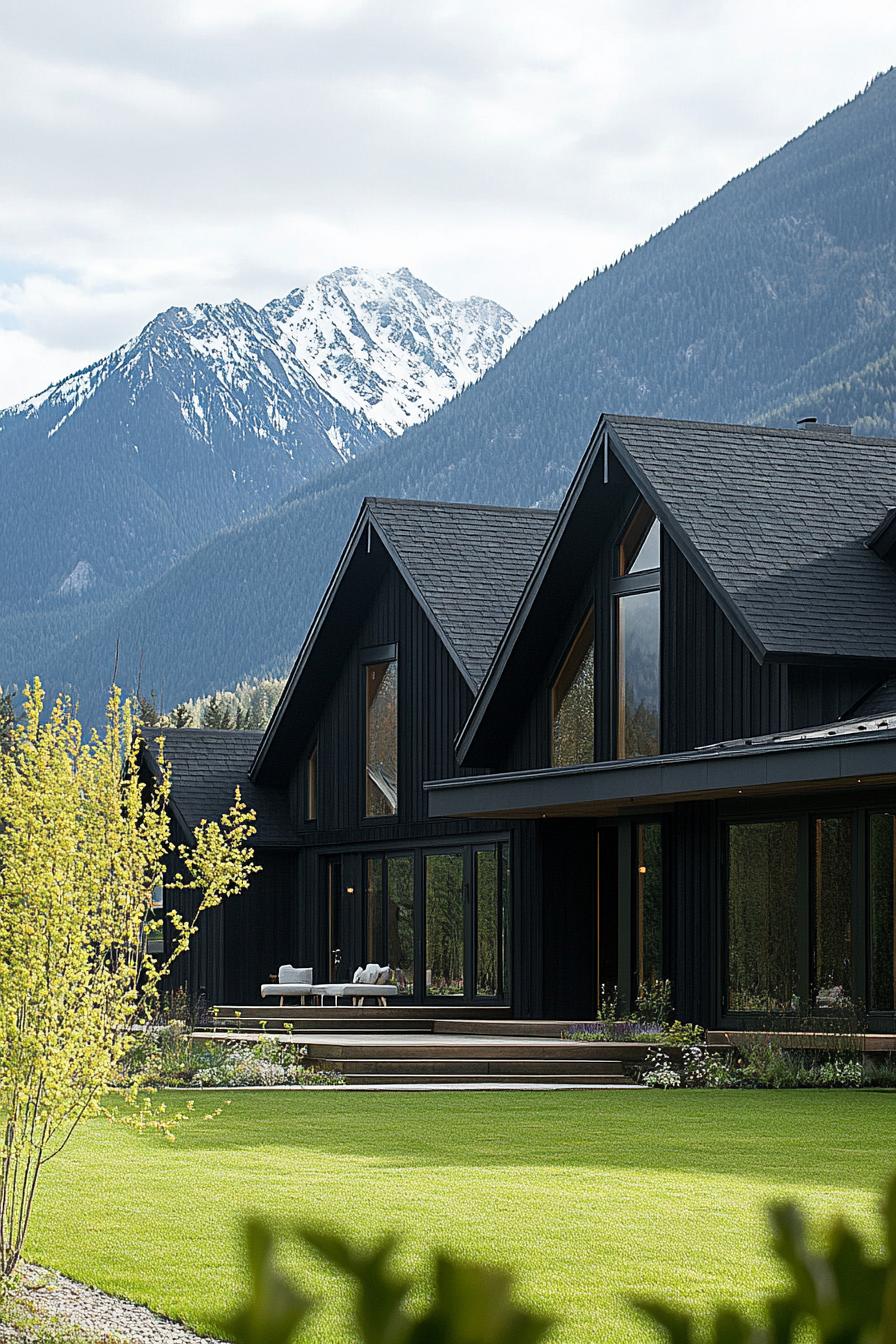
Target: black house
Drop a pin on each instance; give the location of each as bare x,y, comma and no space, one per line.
353,869
661,745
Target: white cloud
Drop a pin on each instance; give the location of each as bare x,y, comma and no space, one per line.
200,150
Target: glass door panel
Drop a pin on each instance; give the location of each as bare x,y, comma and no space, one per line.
649,902
445,944
373,910
882,912
400,920
833,911
489,924
335,920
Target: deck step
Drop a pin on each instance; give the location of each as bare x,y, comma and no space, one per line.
436,1048
489,1080
592,1068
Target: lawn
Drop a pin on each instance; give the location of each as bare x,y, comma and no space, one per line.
592,1196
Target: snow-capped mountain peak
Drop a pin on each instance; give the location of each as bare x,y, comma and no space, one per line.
212,413
389,346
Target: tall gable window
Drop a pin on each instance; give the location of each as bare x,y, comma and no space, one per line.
572,701
311,785
636,599
381,737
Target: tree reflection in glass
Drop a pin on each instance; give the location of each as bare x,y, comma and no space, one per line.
763,955
638,672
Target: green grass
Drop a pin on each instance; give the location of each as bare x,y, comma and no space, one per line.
592,1197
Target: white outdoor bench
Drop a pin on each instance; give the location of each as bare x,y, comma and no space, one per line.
295,983
358,993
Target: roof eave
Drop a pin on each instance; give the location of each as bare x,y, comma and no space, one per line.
620,785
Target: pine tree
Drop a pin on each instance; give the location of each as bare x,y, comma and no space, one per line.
217,713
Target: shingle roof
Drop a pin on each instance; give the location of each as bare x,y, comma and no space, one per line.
206,766
469,564
880,702
779,519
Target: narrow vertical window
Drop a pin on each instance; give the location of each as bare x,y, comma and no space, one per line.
572,701
832,912
400,920
649,907
763,952
636,599
381,739
882,911
373,910
638,673
311,785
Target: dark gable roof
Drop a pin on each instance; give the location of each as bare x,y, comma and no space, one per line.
469,563
773,520
466,565
776,520
207,765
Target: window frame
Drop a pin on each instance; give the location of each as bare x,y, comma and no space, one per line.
623,585
312,795
795,809
588,614
379,653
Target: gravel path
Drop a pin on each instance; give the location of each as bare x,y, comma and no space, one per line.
100,1314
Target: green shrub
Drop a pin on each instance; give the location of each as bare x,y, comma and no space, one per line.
654,1001
169,1056
465,1304
843,1293
683,1033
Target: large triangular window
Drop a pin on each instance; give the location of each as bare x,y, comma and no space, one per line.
639,549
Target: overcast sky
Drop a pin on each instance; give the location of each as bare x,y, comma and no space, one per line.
195,150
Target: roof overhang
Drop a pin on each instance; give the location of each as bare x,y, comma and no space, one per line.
615,787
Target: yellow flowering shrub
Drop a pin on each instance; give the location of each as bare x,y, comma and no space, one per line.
83,843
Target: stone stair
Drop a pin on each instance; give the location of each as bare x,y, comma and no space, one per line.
432,1045
443,1059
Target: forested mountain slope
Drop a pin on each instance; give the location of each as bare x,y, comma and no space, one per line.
774,297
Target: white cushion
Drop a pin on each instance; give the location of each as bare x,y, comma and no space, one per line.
354,990
356,978
295,975
383,977
285,991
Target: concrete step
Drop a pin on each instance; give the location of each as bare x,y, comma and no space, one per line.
490,1080
275,1021
593,1068
410,1012
505,1026
435,1048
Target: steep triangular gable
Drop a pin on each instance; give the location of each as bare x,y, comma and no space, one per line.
465,566
773,521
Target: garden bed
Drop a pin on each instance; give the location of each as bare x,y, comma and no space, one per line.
171,1056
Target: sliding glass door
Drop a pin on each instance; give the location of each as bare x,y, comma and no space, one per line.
445,895
436,917
389,920
465,901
